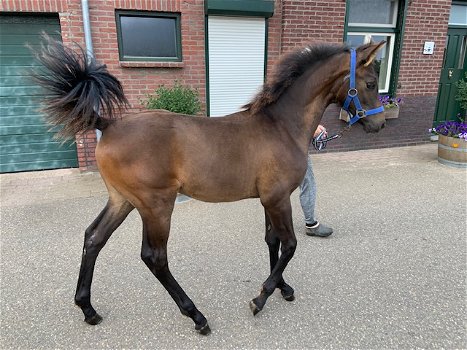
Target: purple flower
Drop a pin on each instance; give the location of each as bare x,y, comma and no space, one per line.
451,129
390,102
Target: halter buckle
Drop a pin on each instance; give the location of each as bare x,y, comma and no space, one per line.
352,92
361,113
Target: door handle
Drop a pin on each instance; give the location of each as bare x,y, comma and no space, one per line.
450,73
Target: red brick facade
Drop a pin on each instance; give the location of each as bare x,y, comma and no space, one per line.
294,23
426,21
305,23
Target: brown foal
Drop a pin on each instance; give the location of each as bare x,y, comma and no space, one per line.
146,158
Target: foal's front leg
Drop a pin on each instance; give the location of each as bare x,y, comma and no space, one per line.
280,215
274,243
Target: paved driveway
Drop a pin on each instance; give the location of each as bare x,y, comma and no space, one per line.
391,276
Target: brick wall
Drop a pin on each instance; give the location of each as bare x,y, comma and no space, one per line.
305,22
411,128
295,23
426,21
274,36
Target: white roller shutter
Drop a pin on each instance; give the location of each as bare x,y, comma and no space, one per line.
236,61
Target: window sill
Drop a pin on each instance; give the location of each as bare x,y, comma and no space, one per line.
147,64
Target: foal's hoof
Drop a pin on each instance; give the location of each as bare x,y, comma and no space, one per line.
254,308
288,293
204,330
93,320
290,297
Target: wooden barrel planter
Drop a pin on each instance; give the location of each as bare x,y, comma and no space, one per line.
452,151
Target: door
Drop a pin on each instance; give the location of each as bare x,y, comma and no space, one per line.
25,140
454,68
236,61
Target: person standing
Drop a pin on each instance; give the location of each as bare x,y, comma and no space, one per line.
308,199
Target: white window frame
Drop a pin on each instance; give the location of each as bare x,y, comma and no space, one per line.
368,36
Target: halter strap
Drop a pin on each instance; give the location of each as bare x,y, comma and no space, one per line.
352,95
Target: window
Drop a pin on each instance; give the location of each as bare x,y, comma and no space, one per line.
148,36
375,20
458,15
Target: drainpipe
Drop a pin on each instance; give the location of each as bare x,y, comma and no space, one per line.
88,40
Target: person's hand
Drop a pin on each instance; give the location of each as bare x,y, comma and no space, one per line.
319,130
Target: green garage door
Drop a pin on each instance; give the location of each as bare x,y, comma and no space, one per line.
26,143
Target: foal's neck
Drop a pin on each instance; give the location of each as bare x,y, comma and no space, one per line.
303,104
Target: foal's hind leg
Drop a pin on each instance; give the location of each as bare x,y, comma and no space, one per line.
156,227
96,236
281,220
273,243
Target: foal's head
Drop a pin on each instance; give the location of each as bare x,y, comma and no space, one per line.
366,85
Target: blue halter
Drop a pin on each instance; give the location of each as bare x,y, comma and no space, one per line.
352,95
321,140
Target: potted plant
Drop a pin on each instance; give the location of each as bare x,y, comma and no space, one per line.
391,107
461,95
452,142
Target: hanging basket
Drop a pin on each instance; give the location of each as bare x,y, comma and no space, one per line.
452,151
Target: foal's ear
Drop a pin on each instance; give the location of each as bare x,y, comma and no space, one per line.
368,52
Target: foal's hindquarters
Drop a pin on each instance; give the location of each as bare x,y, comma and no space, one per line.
128,189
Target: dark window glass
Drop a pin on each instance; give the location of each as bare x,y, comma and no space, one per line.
149,37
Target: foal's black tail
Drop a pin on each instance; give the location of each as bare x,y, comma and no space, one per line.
79,89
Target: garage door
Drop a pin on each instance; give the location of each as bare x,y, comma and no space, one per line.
25,140
236,55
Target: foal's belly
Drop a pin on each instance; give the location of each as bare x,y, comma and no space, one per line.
219,197
214,188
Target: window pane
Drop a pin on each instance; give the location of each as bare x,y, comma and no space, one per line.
149,36
355,40
383,60
372,12
458,15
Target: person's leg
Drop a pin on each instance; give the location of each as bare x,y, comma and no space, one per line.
307,201
308,195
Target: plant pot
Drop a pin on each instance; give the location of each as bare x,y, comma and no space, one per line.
391,113
452,151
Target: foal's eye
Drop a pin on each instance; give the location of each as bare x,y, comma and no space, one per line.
371,85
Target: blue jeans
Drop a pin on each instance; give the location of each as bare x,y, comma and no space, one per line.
308,194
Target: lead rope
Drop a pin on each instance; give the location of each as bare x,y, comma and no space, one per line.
320,143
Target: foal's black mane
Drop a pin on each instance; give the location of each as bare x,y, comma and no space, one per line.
289,69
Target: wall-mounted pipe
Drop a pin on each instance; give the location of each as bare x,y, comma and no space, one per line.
88,40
